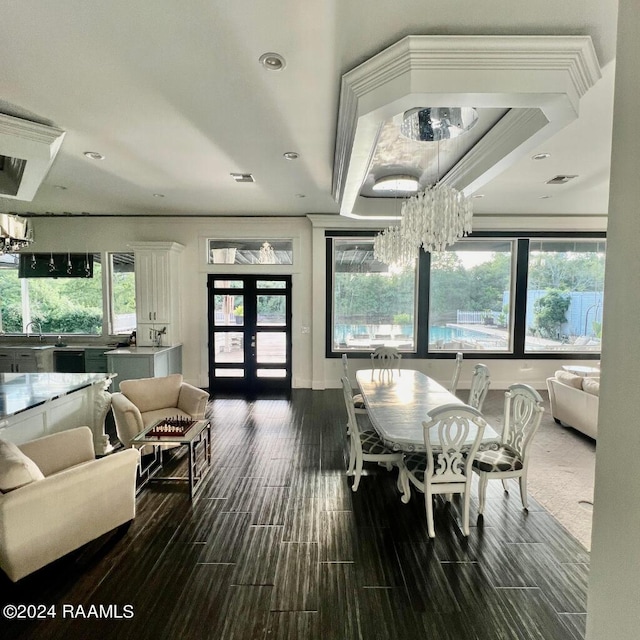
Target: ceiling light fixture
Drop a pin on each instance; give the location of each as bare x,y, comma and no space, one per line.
437,123
291,155
541,156
94,155
439,215
242,177
158,195
15,233
272,61
396,183
267,254
477,196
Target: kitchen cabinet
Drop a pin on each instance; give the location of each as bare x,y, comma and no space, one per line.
157,270
143,362
26,359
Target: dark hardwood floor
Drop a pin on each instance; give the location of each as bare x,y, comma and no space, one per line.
277,546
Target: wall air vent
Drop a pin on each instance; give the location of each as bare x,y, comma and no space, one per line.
242,177
27,151
561,179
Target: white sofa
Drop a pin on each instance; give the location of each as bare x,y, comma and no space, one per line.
56,496
574,401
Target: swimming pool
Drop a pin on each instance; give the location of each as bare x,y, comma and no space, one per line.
447,334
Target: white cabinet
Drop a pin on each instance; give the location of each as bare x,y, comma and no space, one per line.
157,266
143,362
25,360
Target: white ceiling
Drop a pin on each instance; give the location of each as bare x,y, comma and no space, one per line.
171,93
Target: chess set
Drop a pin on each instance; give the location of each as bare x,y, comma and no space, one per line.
176,426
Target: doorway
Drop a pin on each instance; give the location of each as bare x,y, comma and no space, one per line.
249,333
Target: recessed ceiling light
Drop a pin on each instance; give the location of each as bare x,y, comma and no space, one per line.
300,195
478,195
94,155
541,156
60,187
158,195
242,177
396,183
561,179
291,155
272,61
544,197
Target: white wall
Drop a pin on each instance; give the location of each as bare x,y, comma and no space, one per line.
82,234
614,586
311,369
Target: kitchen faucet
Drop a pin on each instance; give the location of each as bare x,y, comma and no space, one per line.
36,324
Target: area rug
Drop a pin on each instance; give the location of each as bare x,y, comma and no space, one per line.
561,469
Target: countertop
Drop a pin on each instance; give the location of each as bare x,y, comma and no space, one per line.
22,391
139,351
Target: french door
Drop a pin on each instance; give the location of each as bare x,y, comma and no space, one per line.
249,333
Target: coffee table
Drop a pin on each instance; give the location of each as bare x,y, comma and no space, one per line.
197,439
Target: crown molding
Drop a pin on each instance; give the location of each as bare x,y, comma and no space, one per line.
540,78
29,150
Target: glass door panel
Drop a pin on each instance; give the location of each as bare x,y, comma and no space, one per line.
249,334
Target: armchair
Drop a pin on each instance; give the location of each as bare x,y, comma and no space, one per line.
70,499
142,401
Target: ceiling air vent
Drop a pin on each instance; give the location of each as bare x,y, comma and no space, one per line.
561,179
242,177
27,151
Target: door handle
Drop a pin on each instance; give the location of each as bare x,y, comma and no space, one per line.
253,342
150,318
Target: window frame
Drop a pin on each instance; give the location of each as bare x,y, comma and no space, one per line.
107,301
519,280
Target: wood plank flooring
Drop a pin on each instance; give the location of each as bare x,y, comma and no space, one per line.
277,546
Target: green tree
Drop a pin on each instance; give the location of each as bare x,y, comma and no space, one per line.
550,312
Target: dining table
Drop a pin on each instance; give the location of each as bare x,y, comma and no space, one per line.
398,402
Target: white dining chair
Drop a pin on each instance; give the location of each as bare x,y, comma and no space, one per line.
366,445
452,436
385,360
358,400
523,411
453,386
480,381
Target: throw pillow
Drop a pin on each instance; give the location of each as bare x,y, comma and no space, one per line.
16,469
591,385
570,379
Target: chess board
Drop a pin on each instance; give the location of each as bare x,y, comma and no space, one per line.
169,427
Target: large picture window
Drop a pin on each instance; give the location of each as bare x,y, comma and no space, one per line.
504,295
373,304
470,297
564,296
69,305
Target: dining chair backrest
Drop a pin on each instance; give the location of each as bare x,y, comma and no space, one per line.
352,422
345,365
452,436
453,386
479,386
523,409
386,359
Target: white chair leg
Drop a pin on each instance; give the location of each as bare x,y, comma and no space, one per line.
358,472
505,485
523,492
428,503
352,456
482,491
403,484
465,512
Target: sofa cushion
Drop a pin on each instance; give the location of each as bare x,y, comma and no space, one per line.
16,469
570,379
591,385
150,394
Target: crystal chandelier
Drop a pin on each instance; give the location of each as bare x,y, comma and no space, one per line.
267,254
15,233
438,215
